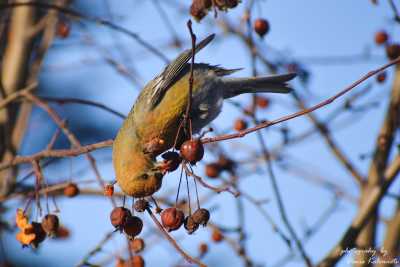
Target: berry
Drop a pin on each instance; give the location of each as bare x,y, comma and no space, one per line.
381,77
137,245
118,217
63,29
240,125
217,236
192,150
212,170
62,233
71,190
50,224
108,190
261,27
172,219
199,8
171,161
226,163
190,225
137,261
201,216
141,205
203,248
393,51
381,37
262,102
40,234
133,226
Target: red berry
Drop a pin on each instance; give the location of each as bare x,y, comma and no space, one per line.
71,190
133,226
261,26
172,218
63,29
203,248
50,224
212,170
240,125
192,150
171,161
201,216
118,216
393,51
381,37
262,102
137,245
137,261
108,190
381,77
217,236
190,225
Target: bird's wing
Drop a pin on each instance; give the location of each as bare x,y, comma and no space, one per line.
172,71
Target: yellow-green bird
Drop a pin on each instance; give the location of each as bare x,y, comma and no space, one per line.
152,124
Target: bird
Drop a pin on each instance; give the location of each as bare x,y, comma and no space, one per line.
153,122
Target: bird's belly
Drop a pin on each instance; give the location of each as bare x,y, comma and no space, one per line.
205,112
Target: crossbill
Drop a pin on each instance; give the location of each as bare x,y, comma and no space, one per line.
153,122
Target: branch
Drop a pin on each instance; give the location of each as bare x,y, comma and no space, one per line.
94,19
56,153
366,209
302,112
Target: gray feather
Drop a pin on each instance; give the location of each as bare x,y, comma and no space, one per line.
173,70
264,84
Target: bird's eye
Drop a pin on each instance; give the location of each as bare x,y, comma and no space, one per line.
144,176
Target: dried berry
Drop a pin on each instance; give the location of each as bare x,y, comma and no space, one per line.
199,9
141,205
201,216
40,234
190,225
62,233
226,163
393,51
137,245
381,77
108,190
381,37
63,29
240,125
137,261
262,102
261,27
203,248
50,224
192,150
217,236
71,190
133,226
118,217
212,170
172,218
171,161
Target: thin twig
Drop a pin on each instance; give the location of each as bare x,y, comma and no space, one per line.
191,79
186,256
94,19
301,112
216,189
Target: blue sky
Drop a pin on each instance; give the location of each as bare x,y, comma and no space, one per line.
299,30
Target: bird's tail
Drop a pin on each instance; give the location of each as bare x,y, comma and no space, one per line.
263,84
